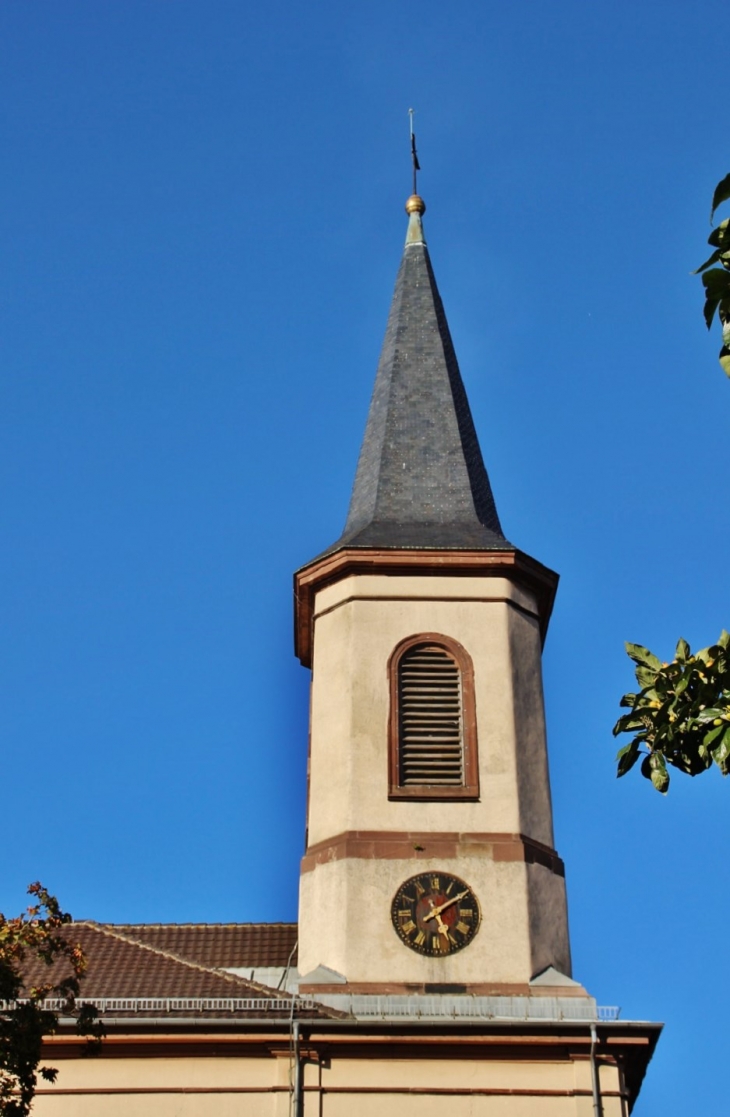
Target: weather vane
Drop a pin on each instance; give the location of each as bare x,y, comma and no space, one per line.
414,156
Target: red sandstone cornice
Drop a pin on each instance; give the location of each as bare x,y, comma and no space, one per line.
524,571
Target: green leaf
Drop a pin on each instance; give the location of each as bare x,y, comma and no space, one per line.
682,685
710,260
713,734
724,359
717,283
645,676
717,287
642,655
709,310
654,768
627,757
659,775
628,700
664,739
724,639
719,256
721,753
682,651
720,237
722,193
636,721
629,723
710,714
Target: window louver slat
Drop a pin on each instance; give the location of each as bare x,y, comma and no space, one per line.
430,716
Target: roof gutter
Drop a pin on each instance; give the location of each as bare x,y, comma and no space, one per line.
324,1024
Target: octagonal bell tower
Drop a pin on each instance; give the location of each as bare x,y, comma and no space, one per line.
430,861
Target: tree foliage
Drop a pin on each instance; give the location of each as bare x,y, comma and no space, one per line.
716,280
681,714
34,937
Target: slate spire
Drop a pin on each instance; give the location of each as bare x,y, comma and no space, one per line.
421,481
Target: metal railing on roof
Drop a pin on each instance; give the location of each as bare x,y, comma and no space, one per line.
459,1007
180,1004
365,1007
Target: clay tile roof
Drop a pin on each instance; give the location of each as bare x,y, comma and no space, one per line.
121,968
221,945
118,966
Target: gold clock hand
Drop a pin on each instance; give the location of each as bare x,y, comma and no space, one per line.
432,913
447,904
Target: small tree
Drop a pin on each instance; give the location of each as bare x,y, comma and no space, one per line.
36,936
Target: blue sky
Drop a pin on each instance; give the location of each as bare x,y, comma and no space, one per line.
201,212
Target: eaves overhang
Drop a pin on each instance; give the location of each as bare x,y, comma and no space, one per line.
515,565
630,1044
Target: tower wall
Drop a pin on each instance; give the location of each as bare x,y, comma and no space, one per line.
363,845
358,622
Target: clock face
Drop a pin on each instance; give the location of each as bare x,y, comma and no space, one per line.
435,914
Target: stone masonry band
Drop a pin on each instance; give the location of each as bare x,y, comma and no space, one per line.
399,845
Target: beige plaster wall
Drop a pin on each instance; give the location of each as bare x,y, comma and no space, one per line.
358,623
421,1086
344,913
345,922
373,1085
189,1086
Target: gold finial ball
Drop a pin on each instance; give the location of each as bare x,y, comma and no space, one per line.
415,204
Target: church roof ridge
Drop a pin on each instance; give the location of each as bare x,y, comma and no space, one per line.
193,923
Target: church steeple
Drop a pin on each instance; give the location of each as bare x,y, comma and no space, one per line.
421,481
428,779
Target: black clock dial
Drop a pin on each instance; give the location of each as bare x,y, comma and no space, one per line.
435,914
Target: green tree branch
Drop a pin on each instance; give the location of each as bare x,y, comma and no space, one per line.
717,280
681,714
36,934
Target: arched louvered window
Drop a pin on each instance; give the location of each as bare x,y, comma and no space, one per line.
432,721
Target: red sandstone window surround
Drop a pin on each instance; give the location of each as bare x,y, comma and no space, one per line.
432,738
